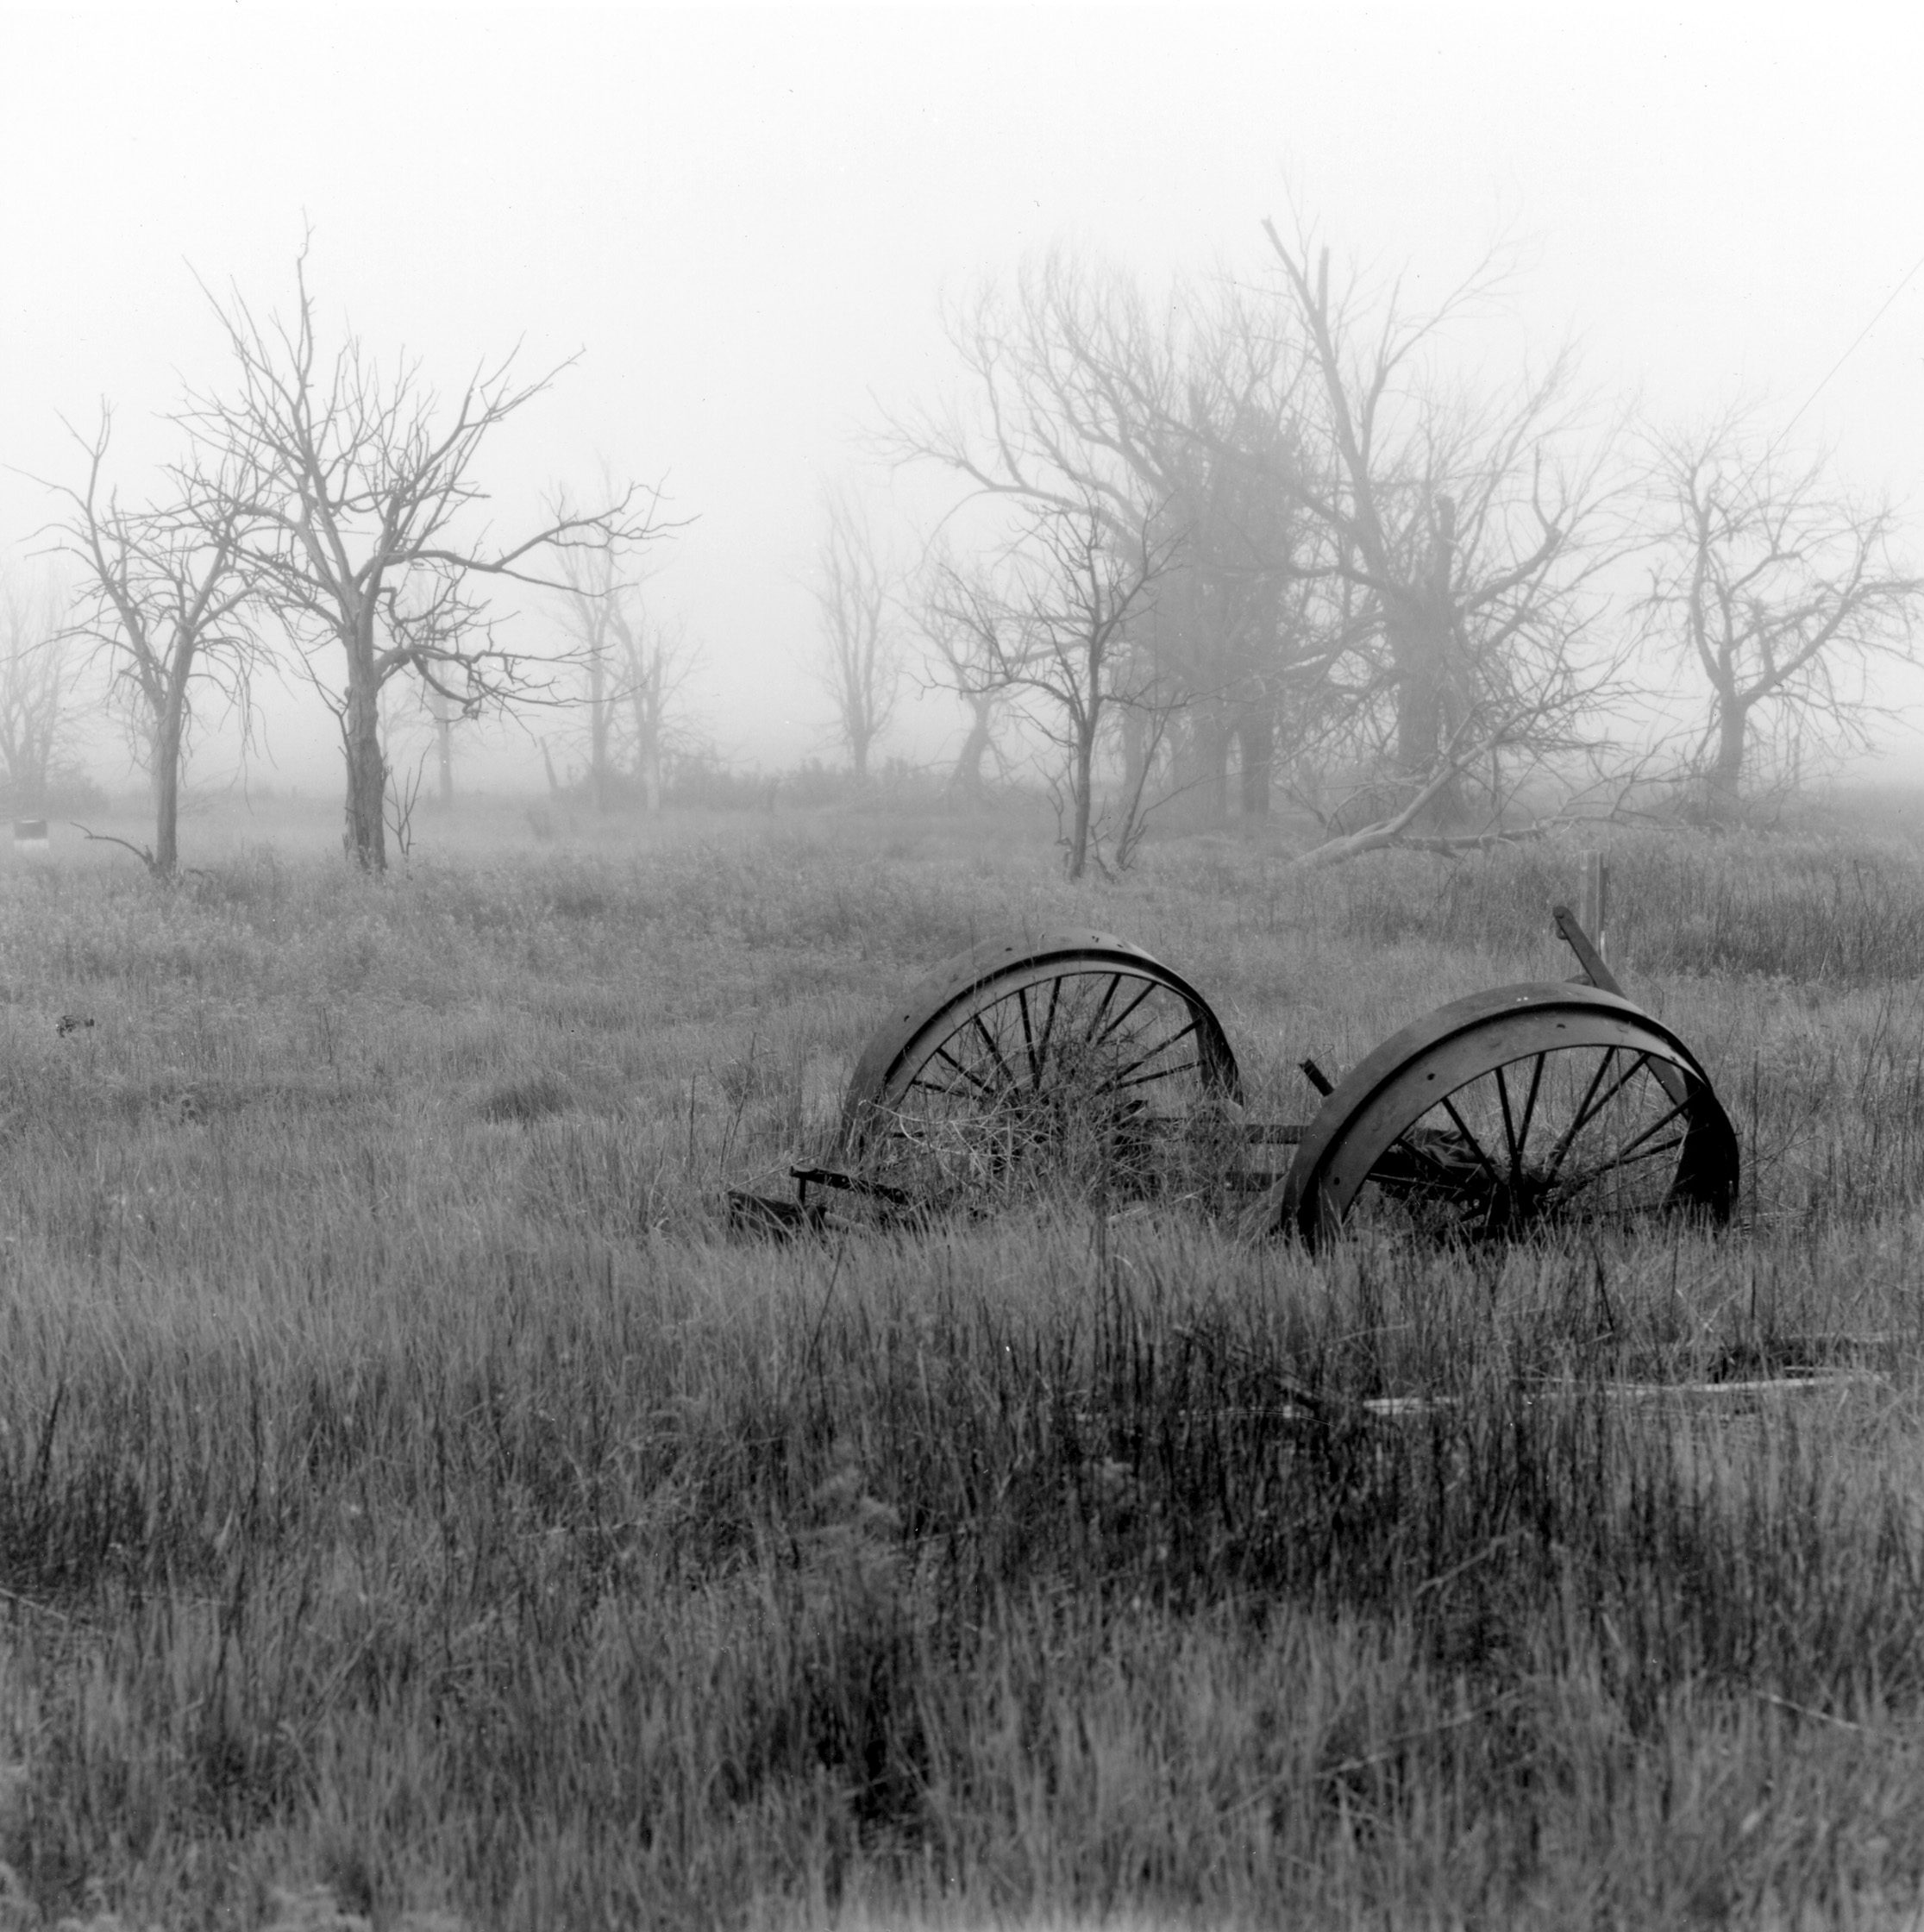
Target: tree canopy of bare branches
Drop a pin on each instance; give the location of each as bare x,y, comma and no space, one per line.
1051,627
1459,539
356,487
1080,392
1776,585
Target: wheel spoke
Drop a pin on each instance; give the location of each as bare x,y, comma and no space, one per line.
1530,1102
1624,1153
1144,1079
1048,1028
1510,1138
1476,1146
1121,1079
1610,1093
1028,1040
1417,1154
994,1053
936,1087
1148,986
1629,1160
1440,1180
1603,1067
973,1079
1102,1006
1587,1112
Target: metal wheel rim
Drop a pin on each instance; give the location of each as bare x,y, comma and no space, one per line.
1510,1110
1017,1056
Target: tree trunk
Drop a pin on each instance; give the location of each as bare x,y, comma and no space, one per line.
167,784
366,837
1419,641
599,723
1200,774
1727,770
1419,696
444,755
645,702
1255,736
965,781
1212,737
1082,772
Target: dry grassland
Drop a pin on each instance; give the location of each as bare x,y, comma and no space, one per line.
412,1505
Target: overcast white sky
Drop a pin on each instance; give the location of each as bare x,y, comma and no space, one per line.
742,217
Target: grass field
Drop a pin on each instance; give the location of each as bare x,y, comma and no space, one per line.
413,1505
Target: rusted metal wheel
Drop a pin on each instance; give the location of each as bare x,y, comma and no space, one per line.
1512,1111
1073,1060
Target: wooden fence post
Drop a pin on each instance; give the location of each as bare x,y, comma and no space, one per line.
1596,914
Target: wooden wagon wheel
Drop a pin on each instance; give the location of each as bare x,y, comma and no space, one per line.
1025,1065
1513,1110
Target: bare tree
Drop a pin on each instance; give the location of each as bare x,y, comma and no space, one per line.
1366,568
961,660
655,658
357,487
1460,541
857,660
634,664
1053,631
38,676
594,588
600,579
1778,585
166,603
1081,391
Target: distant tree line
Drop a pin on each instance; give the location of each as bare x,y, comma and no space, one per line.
1255,528
1249,537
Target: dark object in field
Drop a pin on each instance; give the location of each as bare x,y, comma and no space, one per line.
71,1023
778,1221
761,1213
1019,1064
1078,1061
1510,1110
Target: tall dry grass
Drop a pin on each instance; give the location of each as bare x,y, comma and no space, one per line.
407,1490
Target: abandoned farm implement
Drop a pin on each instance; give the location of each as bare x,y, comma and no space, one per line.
1078,1059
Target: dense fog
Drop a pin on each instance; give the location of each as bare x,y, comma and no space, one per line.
748,244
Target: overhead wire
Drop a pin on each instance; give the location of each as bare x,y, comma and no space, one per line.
1858,338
